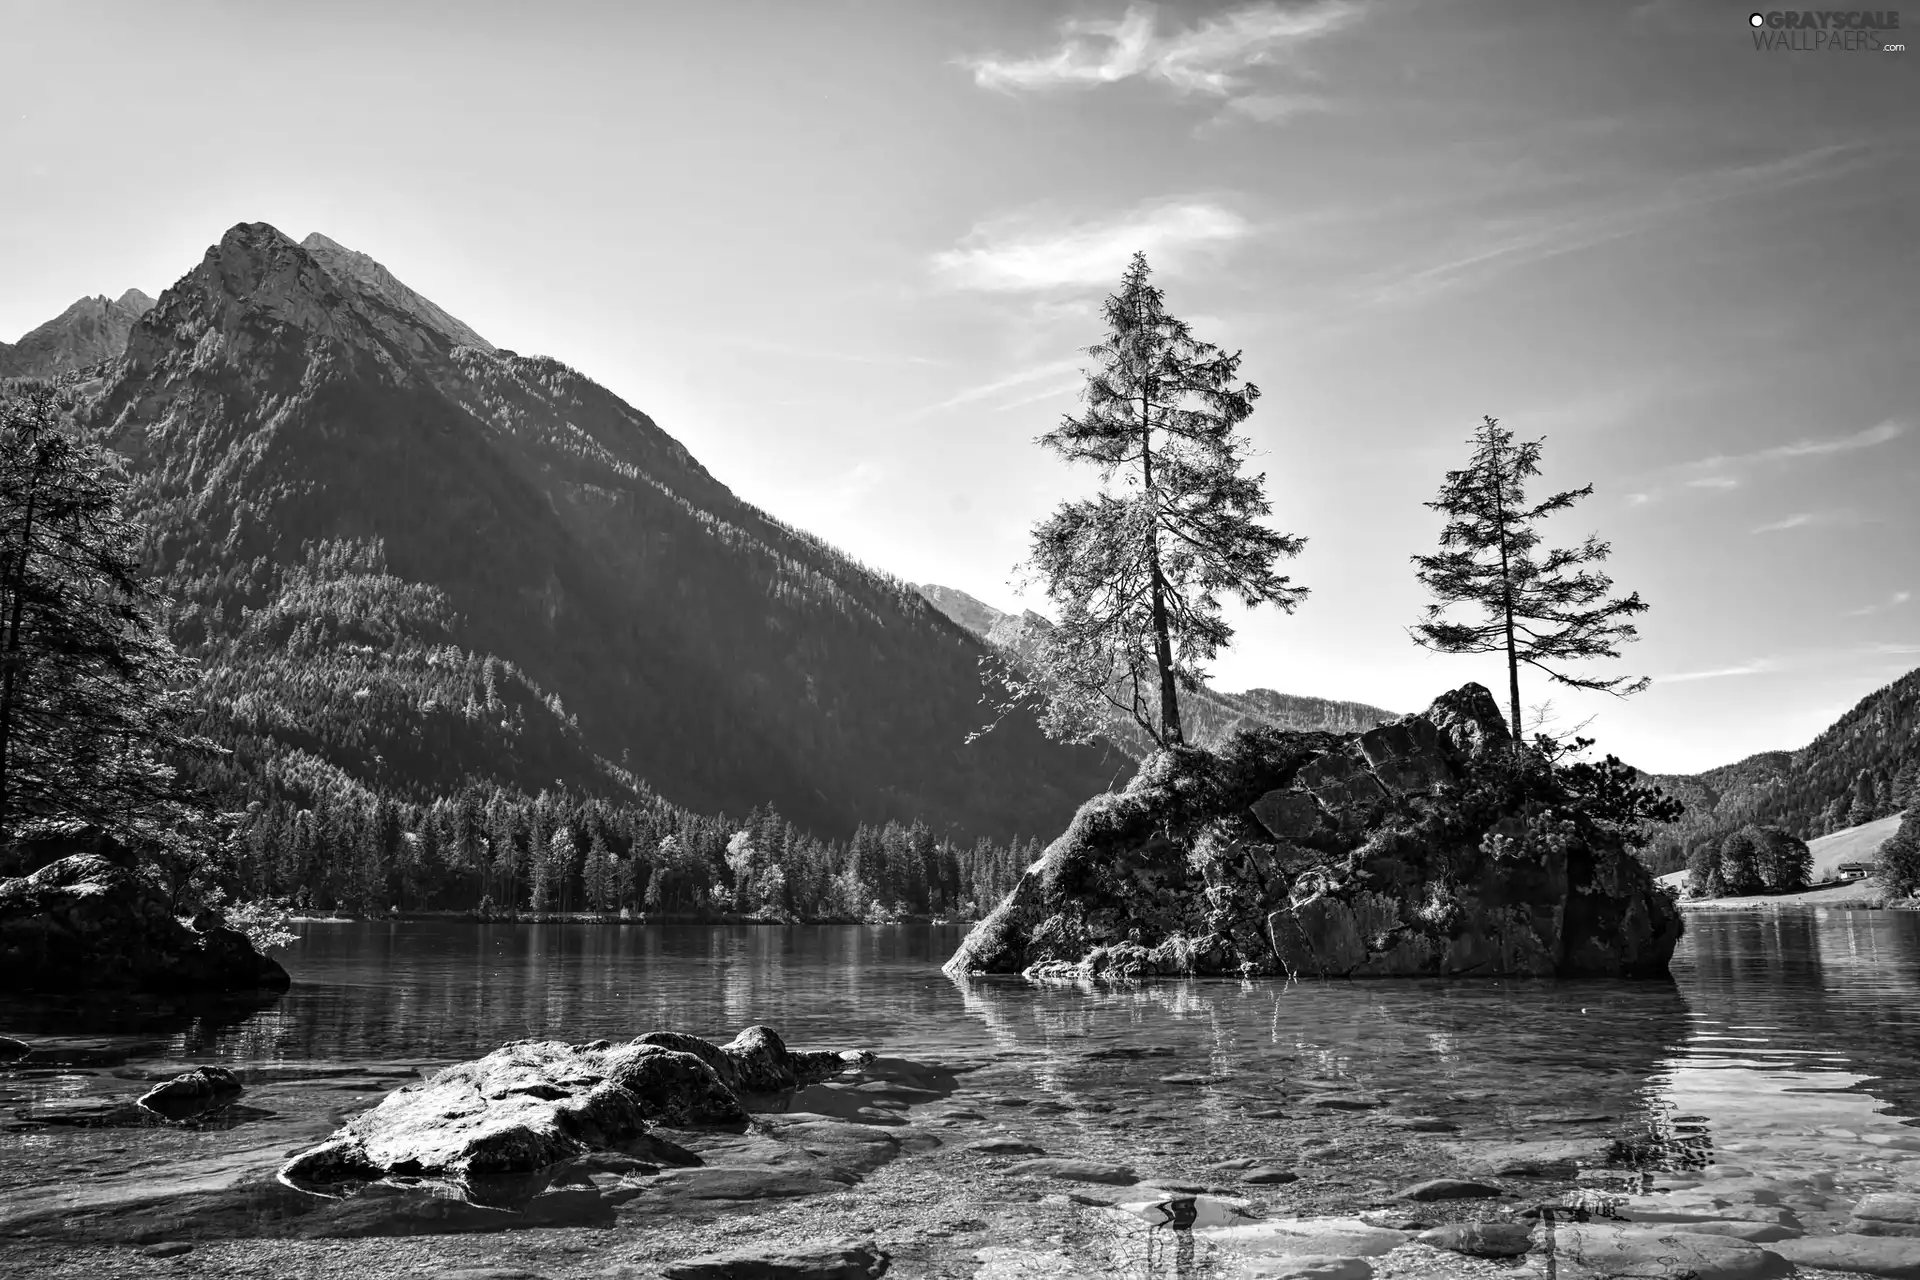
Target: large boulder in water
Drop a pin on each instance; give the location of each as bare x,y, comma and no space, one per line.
534,1103
90,921
1403,851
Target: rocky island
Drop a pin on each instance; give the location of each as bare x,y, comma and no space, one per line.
1426,847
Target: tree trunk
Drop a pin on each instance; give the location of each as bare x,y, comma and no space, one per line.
1170,734
1506,596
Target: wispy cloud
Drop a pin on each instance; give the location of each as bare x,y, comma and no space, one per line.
988,390
1879,434
1756,667
1719,471
1798,520
1596,218
1211,59
1035,251
1893,601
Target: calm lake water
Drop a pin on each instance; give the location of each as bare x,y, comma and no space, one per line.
1788,1044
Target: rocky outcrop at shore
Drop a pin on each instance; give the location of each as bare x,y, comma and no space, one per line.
1429,846
534,1103
89,921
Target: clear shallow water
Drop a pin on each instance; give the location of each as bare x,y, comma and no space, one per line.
1788,1046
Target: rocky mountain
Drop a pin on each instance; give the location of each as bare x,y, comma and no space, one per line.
89,331
1813,790
413,560
1209,717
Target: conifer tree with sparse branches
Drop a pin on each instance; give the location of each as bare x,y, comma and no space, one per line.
1539,609
1137,573
93,698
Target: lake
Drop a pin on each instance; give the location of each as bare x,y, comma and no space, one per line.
1785,1054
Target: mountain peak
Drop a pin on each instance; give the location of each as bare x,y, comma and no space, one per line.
91,330
361,273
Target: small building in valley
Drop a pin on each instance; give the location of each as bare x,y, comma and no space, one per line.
1853,870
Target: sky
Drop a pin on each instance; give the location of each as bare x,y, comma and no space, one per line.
849,253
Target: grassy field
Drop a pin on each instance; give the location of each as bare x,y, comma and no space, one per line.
1855,844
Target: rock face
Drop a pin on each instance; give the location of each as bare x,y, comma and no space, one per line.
89,331
88,922
535,1103
1323,855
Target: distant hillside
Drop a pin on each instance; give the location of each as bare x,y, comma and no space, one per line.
1209,717
1865,766
89,331
1854,844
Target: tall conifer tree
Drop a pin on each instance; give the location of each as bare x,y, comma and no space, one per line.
1137,574
1539,608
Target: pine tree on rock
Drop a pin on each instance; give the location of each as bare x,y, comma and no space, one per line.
1137,574
1540,609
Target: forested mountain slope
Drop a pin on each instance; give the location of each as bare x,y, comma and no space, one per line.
423,562
1864,767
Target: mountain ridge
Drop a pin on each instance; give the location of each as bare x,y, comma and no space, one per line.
349,499
93,329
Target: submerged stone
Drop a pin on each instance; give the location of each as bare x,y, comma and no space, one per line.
843,1260
1888,1257
534,1103
192,1093
1481,1239
1448,1189
1075,1171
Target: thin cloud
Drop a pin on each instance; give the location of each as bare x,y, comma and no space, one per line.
1720,466
1799,520
1522,242
1758,666
1893,601
1879,434
1210,60
987,390
1271,108
1027,252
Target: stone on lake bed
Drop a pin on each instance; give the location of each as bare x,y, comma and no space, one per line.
1607,1249
1568,1117
1268,1113
1550,1158
191,1093
1302,1237
1886,1213
166,1249
1074,1171
1888,1257
1449,1189
1309,1267
1269,1177
1751,1232
843,1260
1005,1147
1242,1162
1481,1239
1420,1124
533,1103
1343,1101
